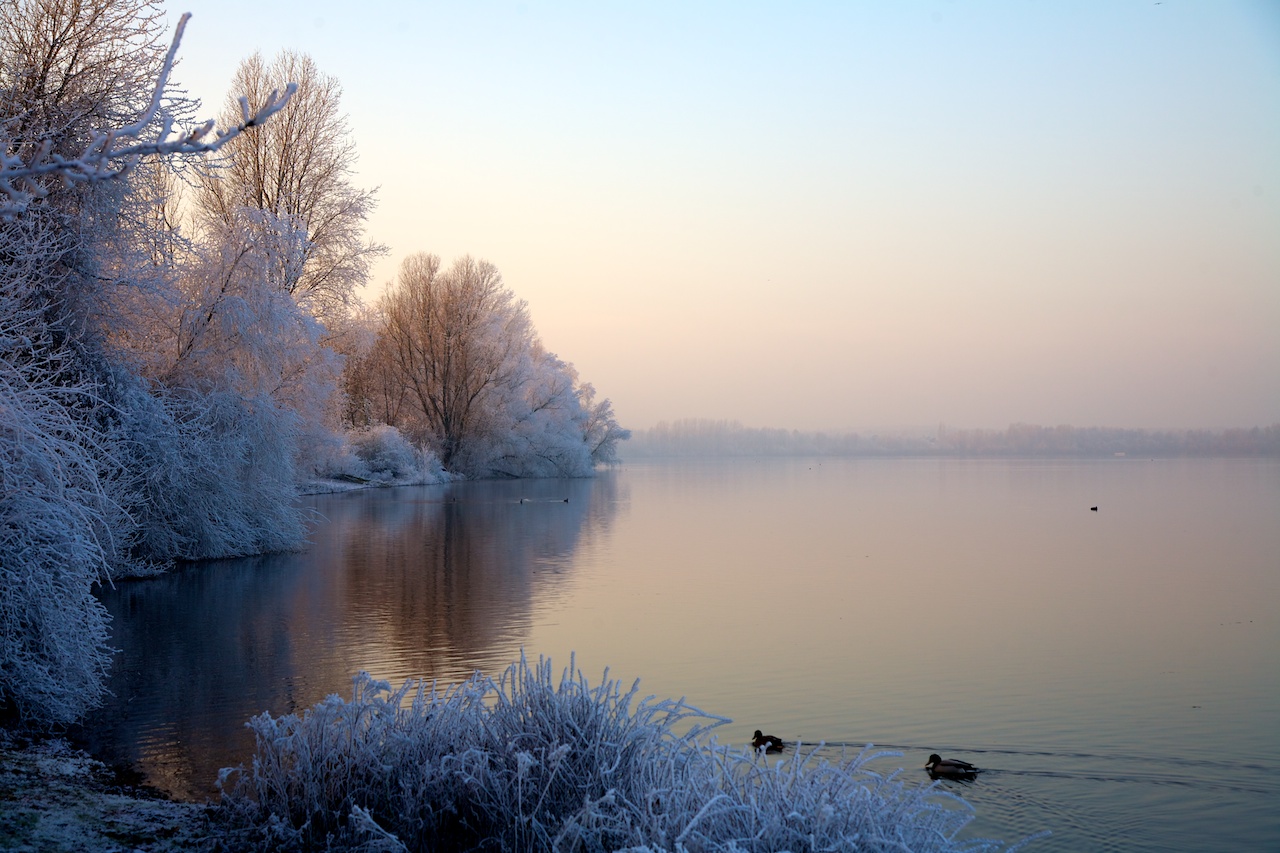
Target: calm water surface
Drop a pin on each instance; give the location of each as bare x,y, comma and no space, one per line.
1116,671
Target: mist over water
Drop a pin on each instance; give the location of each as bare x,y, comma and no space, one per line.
1113,670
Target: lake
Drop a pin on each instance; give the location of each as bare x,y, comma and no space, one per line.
1116,672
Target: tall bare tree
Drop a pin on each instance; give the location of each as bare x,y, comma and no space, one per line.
298,166
459,343
458,366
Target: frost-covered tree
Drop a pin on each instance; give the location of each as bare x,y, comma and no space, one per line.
106,465
70,83
298,167
458,365
72,69
242,382
237,326
58,515
602,430
71,72
366,392
458,342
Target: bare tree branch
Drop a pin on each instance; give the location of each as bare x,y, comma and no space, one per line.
114,153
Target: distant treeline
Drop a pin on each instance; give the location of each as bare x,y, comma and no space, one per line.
699,437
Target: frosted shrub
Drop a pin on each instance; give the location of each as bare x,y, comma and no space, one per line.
214,475
389,457
54,546
56,519
379,454
330,457
524,763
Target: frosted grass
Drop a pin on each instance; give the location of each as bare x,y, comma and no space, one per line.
522,762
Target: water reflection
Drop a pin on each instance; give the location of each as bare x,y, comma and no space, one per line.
1112,671
434,581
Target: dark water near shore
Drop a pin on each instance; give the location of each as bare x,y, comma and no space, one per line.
1117,672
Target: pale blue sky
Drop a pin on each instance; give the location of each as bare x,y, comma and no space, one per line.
831,215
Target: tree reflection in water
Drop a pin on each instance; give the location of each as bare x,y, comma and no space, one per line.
434,581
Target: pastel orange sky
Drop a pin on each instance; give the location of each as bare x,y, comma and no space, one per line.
832,215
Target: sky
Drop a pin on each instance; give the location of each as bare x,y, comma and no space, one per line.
831,215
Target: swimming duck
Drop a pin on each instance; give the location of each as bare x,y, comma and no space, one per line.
768,743
951,768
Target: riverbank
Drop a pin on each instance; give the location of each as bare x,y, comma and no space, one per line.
330,485
54,798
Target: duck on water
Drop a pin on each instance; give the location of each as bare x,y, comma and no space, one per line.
950,768
768,743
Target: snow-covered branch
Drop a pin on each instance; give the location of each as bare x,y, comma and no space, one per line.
113,153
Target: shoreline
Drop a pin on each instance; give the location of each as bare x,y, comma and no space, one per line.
57,797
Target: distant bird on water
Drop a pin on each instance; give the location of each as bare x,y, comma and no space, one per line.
768,743
950,768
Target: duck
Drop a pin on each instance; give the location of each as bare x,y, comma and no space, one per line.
950,768
768,743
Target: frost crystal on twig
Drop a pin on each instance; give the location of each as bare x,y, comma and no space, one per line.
114,152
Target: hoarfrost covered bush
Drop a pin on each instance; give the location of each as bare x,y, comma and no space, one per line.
377,454
522,763
213,399
388,456
56,520
212,475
